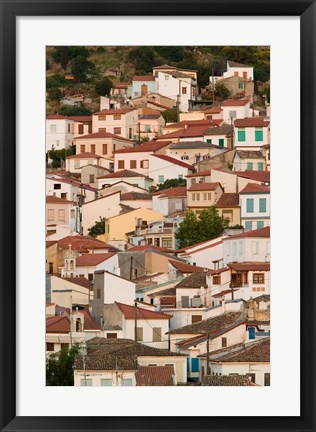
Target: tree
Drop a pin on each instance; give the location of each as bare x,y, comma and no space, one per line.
55,81
60,155
169,52
82,69
103,87
143,58
170,183
98,228
221,91
73,111
171,115
195,230
60,367
54,93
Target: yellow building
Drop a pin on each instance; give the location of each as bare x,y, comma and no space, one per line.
201,196
118,226
228,207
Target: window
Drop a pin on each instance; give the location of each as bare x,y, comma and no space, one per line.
241,86
184,90
185,301
80,129
147,128
193,197
77,163
86,382
79,327
252,333
57,186
157,241
106,382
121,164
161,179
68,127
241,135
92,148
132,164
98,293
221,142
166,77
102,129
196,318
224,342
61,215
64,346
262,205
185,157
111,335
260,224
205,196
126,382
130,133
249,166
245,75
248,226
260,166
53,128
180,176
252,376
217,280
139,333
104,149
209,141
267,379
117,130
167,243
258,278
49,346
249,205
82,148
258,134
195,365
144,163
51,214
193,181
198,197
91,178
117,117
156,334
254,247
101,117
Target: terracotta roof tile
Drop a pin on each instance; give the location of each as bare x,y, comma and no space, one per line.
154,376
129,312
86,155
102,135
196,279
250,266
82,281
51,199
122,174
262,176
235,102
193,123
249,154
144,78
80,243
226,380
200,174
203,186
185,267
91,260
251,122
261,232
58,324
172,192
144,248
258,351
132,196
174,161
255,188
149,146
228,200
115,111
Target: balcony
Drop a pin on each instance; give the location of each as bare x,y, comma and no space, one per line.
195,302
238,285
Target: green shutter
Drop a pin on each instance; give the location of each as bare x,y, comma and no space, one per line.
262,205
260,224
249,205
249,166
221,142
248,226
241,135
259,135
260,166
209,141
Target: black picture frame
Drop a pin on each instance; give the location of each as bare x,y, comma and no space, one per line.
9,11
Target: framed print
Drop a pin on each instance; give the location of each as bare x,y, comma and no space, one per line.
145,140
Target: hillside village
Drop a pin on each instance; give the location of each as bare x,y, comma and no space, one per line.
158,234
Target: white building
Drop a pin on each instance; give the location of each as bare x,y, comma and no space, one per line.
255,206
59,132
251,133
163,167
238,69
123,122
69,189
233,109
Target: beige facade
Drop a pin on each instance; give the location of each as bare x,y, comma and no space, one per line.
51,257
101,144
57,214
239,86
231,213
203,198
89,174
117,227
123,122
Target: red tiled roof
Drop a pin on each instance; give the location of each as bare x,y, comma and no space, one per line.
184,267
228,200
58,324
200,174
149,146
250,266
51,199
81,118
252,122
172,192
174,161
235,102
191,131
255,188
50,242
89,321
154,376
129,312
82,281
71,182
141,248
203,186
121,174
261,232
55,117
86,155
213,110
115,111
82,243
91,260
262,176
144,78
133,196
193,123
102,135
122,85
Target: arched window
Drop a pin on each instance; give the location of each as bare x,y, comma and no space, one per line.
78,325
71,264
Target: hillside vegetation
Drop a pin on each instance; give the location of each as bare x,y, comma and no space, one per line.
91,67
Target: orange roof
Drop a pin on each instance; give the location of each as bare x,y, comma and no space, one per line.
227,200
102,135
91,260
252,122
115,111
185,267
172,192
193,123
51,199
58,324
214,110
255,188
174,161
200,174
86,155
149,146
261,232
250,266
235,102
82,243
144,78
129,312
122,174
154,376
203,186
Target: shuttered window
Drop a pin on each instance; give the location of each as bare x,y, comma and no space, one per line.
249,166
260,166
249,205
139,333
195,365
221,142
259,134
241,135
86,383
156,334
262,205
106,383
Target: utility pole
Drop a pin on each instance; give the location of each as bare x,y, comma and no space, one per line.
208,354
135,316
